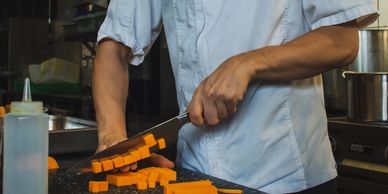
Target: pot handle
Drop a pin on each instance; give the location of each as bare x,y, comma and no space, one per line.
346,72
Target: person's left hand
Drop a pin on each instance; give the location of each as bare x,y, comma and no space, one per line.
218,95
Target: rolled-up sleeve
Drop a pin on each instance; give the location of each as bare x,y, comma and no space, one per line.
135,23
331,12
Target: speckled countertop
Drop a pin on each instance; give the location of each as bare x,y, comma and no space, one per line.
61,182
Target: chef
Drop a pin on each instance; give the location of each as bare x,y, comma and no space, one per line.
249,74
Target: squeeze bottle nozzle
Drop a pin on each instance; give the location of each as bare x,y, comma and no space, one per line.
27,105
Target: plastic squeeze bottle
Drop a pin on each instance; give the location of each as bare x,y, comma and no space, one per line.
25,147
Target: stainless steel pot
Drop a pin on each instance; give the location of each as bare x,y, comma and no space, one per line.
367,96
373,51
372,57
334,87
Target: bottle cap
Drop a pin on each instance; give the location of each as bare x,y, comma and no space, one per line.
27,106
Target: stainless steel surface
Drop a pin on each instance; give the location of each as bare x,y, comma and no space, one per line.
69,135
168,130
367,96
373,51
57,122
334,86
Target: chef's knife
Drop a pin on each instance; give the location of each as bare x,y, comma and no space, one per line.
168,130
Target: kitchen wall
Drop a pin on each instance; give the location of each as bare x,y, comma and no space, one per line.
382,21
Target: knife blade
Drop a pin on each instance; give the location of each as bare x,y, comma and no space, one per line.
168,130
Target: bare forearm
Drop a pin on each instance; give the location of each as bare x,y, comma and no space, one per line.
309,55
110,88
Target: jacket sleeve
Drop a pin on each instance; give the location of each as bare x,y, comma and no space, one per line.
135,23
331,12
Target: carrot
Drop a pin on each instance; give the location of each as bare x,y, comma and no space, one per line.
136,155
96,166
153,176
103,185
141,185
151,184
98,186
118,181
144,151
149,140
203,189
94,186
52,163
230,191
107,164
166,173
163,182
128,159
170,187
161,143
118,161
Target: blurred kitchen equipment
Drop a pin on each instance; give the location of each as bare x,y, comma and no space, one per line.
57,70
367,96
372,57
361,154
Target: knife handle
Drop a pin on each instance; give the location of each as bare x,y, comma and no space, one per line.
184,118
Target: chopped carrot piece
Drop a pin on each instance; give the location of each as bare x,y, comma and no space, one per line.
151,184
52,163
103,185
163,182
170,187
107,164
153,176
141,185
230,191
138,177
144,151
128,159
146,171
161,143
118,181
166,173
118,161
96,167
94,186
203,189
149,140
2,112
136,155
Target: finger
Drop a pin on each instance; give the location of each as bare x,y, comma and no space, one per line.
125,168
133,166
211,113
161,161
231,107
196,110
221,109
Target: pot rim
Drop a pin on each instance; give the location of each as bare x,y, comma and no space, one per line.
364,73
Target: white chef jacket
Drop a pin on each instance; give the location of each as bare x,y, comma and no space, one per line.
277,141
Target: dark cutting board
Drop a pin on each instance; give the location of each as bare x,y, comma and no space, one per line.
61,182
